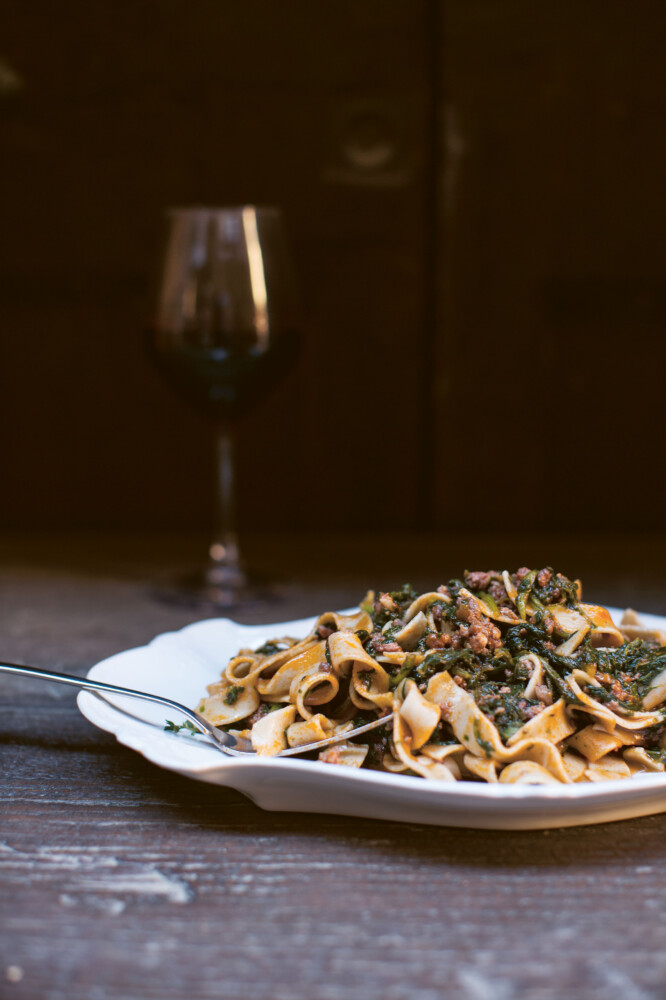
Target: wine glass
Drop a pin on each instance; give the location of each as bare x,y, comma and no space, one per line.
225,329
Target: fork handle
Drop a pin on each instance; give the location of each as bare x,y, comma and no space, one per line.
89,685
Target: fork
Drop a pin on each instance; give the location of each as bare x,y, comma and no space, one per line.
237,746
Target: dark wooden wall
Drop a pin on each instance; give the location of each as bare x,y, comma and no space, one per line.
553,276
474,192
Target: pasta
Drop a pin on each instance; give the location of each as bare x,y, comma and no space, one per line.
496,677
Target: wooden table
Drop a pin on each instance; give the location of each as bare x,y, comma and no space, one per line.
121,881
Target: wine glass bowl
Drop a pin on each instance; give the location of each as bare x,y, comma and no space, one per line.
224,331
226,323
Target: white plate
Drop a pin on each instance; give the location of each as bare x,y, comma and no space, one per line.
179,665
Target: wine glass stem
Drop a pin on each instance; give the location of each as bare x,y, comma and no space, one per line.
224,547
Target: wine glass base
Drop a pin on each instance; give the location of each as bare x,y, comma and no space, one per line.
198,590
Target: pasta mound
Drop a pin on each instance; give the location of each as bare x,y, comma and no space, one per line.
498,676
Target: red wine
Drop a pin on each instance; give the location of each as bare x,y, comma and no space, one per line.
223,383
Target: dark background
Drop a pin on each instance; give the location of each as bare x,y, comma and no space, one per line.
474,191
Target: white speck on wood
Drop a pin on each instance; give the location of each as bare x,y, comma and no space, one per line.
91,871
146,882
620,985
478,987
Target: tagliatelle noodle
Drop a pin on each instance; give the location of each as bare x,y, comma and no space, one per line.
594,742
424,602
526,772
278,686
369,684
553,724
455,667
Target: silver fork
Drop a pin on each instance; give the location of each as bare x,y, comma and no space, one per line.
229,744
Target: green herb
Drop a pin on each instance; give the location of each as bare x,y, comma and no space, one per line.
560,685
504,704
404,672
269,648
489,601
524,589
264,709
484,744
232,694
405,595
402,598
361,720
389,633
559,590
174,727
444,659
507,731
